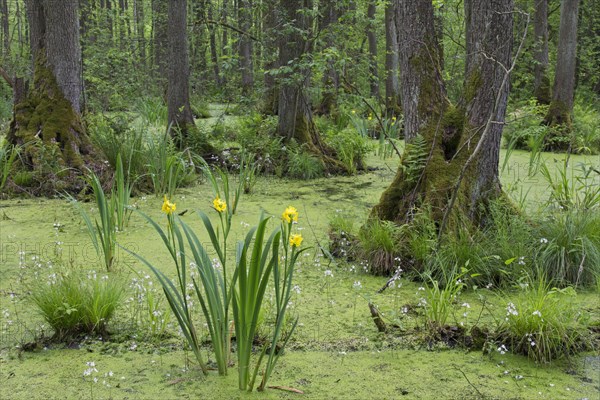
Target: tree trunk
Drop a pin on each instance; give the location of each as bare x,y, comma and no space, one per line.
541,86
214,57
180,117
47,121
295,112
140,28
372,38
561,107
246,67
160,40
270,102
331,79
5,29
442,138
225,38
392,61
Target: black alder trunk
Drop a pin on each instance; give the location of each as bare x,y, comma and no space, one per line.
270,102
331,78
372,39
47,120
5,29
295,112
160,43
214,57
246,65
541,84
453,141
392,61
180,117
563,93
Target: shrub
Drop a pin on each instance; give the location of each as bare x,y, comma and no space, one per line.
152,110
342,240
380,244
525,129
350,147
587,129
542,322
570,248
303,165
439,298
75,304
114,136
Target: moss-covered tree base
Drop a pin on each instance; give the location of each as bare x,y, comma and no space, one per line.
55,146
305,134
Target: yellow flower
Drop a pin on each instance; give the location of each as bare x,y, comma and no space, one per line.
295,240
219,204
290,214
353,111
168,207
394,119
370,117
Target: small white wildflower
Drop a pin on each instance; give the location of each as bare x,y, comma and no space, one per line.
466,305
329,273
538,313
357,285
543,240
502,349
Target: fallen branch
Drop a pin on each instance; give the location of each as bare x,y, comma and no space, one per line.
287,389
376,315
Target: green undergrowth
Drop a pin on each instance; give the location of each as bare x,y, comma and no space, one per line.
336,350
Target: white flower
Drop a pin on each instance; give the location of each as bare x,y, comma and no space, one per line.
502,349
329,273
539,314
543,240
511,309
357,285
466,305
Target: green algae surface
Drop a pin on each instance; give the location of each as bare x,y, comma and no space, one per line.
336,352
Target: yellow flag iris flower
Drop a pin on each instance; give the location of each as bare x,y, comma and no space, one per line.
168,207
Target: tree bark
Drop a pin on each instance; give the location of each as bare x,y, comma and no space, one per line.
246,65
270,102
541,85
561,107
140,29
444,135
214,57
295,112
331,79
392,61
180,117
47,120
160,38
372,39
5,29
